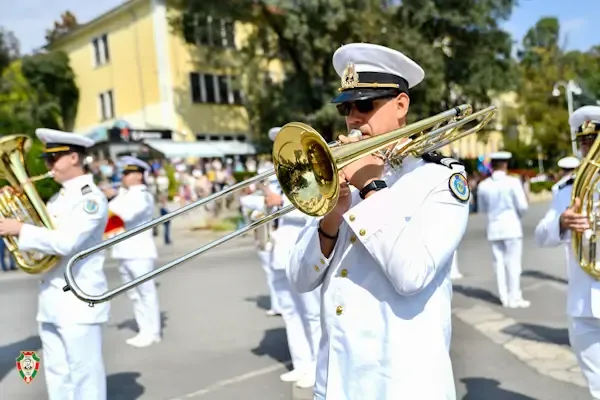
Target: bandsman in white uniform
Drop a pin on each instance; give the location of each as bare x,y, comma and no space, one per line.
134,205
383,254
567,166
503,200
70,330
583,293
300,311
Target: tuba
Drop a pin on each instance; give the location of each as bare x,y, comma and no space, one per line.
585,187
20,200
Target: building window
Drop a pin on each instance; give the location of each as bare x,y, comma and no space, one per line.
106,105
100,48
214,89
209,31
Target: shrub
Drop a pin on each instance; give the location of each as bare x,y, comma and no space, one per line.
538,187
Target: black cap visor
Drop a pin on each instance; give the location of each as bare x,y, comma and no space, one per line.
358,94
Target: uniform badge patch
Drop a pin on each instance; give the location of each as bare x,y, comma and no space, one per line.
90,207
459,187
28,364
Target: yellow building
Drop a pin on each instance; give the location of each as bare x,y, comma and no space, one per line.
133,71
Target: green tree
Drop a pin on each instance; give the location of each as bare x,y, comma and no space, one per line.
541,65
9,48
52,78
464,53
67,23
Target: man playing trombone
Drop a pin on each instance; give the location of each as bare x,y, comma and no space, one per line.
383,254
583,294
134,205
70,331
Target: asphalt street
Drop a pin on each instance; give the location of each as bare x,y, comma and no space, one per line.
219,344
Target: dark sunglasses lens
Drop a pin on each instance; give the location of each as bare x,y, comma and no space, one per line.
364,106
344,109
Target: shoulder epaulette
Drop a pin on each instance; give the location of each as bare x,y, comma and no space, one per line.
86,189
436,158
566,183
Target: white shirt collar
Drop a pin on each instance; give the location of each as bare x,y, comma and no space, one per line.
78,182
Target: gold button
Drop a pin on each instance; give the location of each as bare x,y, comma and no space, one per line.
339,310
322,261
316,268
353,239
352,218
344,273
362,232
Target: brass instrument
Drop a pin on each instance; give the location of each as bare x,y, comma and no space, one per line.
307,169
585,187
20,200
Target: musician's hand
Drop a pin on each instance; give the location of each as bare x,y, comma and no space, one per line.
571,220
10,227
273,199
363,171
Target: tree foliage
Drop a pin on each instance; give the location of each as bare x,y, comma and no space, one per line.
543,63
67,23
35,91
465,54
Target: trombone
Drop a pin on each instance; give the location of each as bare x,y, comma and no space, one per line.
307,170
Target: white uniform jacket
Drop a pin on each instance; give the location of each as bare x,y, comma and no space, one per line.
135,206
502,199
286,234
386,294
79,212
583,295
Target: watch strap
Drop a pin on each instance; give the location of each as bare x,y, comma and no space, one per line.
375,185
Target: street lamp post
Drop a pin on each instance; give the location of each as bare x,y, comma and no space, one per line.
571,88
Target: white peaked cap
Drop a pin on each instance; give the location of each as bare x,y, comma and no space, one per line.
130,160
583,114
569,162
52,136
368,57
273,133
501,155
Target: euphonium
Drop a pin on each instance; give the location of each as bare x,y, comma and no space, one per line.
585,188
20,200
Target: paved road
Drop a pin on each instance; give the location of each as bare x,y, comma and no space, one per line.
218,343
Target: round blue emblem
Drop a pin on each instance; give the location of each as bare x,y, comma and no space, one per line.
459,187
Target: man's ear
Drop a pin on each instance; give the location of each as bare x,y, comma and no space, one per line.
402,104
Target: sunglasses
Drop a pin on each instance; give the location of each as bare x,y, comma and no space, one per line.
54,157
362,106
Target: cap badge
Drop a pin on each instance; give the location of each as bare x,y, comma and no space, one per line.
588,127
350,77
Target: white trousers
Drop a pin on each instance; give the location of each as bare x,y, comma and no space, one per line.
301,315
73,361
584,336
144,297
265,261
506,256
454,271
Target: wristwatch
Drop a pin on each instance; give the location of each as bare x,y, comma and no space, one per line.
375,185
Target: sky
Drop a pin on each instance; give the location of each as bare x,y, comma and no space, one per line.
29,19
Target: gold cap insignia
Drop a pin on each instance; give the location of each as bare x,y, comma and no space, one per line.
588,127
350,77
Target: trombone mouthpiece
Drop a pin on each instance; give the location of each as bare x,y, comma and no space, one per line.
355,133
